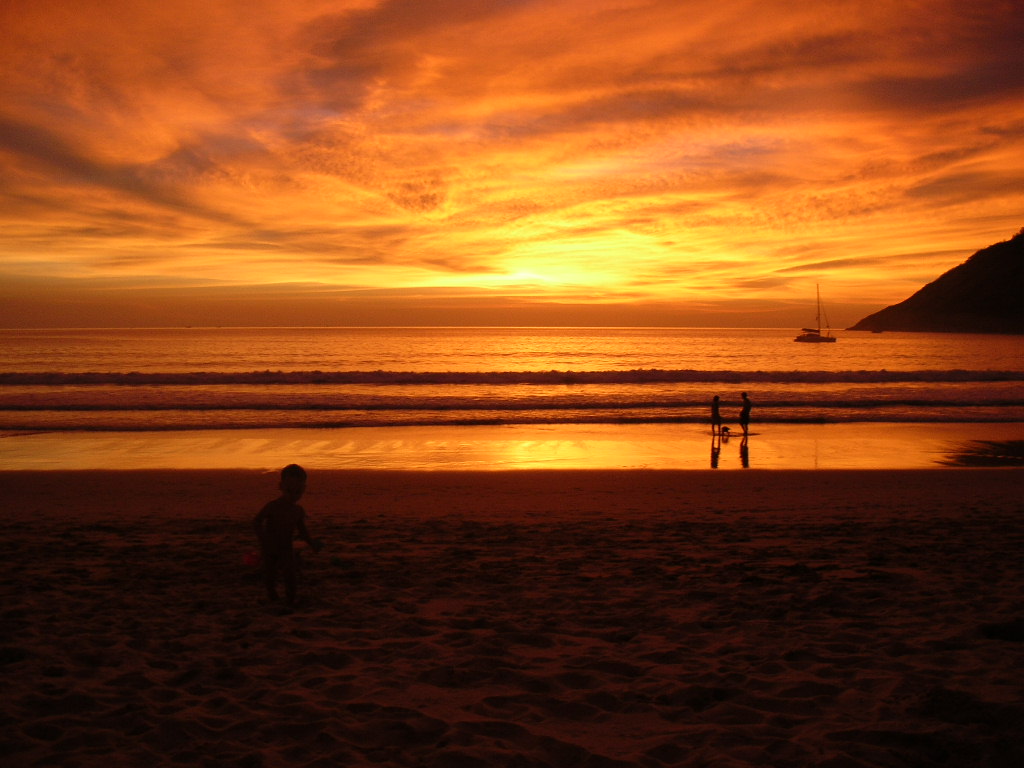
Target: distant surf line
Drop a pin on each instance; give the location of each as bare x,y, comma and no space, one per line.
168,421
568,377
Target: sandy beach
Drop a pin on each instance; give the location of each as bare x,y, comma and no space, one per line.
825,618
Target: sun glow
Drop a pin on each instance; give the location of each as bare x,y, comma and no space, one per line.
599,152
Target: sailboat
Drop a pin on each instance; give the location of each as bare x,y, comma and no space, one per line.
814,335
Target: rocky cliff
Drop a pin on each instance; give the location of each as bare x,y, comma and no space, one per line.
985,294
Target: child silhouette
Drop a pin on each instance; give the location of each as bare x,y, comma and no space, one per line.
276,525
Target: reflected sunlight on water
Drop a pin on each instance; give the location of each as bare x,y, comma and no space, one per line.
650,446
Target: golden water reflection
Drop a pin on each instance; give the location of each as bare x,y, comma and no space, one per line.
648,446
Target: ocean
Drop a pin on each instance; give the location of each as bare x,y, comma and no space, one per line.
134,380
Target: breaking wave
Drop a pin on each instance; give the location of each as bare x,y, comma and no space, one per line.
638,376
333,399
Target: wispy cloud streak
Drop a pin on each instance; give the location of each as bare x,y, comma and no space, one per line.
598,152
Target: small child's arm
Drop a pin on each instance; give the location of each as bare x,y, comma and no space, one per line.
300,526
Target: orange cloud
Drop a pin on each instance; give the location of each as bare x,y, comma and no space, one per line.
505,155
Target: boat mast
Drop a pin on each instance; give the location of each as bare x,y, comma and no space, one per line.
817,317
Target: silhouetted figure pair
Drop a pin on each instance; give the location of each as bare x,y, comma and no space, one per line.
716,415
720,434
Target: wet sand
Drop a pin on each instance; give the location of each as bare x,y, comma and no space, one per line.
551,618
556,446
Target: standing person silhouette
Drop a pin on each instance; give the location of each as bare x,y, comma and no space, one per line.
745,414
716,417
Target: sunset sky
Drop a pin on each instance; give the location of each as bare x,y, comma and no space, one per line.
447,162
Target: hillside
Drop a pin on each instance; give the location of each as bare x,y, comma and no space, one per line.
985,294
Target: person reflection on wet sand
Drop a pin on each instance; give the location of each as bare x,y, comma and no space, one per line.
716,448
744,453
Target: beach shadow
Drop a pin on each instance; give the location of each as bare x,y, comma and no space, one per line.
985,453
